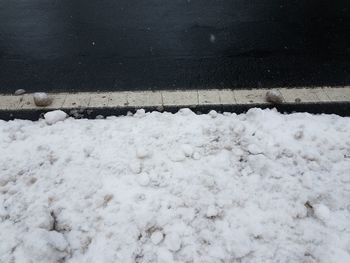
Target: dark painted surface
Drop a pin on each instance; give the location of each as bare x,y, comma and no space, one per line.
137,44
342,109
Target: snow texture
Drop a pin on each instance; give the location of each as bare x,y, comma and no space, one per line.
162,187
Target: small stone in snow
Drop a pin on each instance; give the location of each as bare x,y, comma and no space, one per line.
160,108
157,237
42,99
52,117
274,96
20,92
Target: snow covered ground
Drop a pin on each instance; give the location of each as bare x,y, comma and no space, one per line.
161,187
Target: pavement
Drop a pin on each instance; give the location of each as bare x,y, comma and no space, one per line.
91,104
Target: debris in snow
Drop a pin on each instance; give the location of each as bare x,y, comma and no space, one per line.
42,99
298,135
20,92
3,212
173,242
157,237
321,212
160,108
52,117
106,199
274,96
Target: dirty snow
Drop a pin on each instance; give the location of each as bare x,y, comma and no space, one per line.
161,187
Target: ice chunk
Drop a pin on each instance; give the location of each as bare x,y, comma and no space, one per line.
52,117
187,149
212,211
157,237
42,99
143,179
173,242
322,212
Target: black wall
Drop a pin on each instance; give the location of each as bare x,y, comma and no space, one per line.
58,45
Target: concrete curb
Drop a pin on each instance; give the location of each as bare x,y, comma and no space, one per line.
91,104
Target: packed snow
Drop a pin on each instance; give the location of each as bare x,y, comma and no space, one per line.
52,117
162,187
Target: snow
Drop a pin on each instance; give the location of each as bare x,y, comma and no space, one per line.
162,187
157,237
173,242
322,212
52,117
143,179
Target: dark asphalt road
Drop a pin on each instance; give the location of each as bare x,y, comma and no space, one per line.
67,45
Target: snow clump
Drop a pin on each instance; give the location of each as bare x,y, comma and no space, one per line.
52,117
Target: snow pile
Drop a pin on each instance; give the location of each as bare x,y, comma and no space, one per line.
161,187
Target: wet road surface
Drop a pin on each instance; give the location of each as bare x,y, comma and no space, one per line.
78,45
